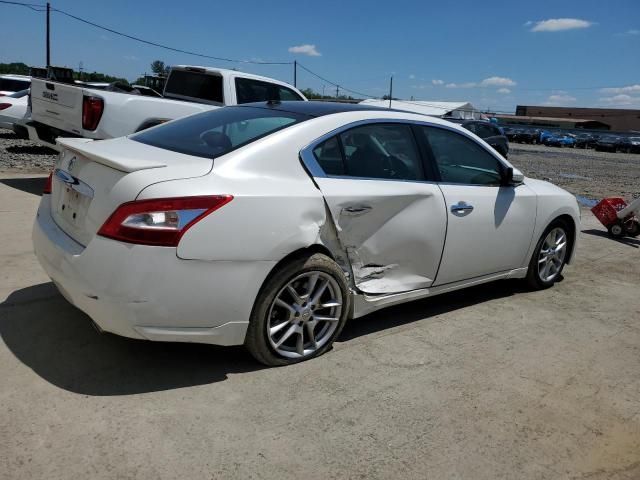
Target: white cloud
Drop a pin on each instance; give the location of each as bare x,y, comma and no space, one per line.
528,23
504,91
461,85
412,77
633,31
626,89
622,100
130,57
305,49
559,24
487,82
560,99
435,81
497,82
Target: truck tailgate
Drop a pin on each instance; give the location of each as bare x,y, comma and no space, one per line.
58,105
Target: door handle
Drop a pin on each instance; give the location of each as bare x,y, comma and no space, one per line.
461,207
357,209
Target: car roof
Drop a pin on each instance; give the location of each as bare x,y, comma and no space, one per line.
319,109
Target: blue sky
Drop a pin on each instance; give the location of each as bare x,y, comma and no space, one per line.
495,54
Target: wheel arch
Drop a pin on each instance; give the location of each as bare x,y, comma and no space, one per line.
569,221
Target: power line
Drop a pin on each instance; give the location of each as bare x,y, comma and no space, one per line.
33,6
336,84
166,47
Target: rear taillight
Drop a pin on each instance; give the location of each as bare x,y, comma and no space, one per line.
4,106
159,222
47,186
92,108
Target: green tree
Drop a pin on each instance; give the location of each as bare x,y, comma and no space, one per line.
159,68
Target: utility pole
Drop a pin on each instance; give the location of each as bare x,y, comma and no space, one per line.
295,72
337,91
390,90
80,71
48,36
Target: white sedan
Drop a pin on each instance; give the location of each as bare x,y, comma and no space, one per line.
271,224
13,108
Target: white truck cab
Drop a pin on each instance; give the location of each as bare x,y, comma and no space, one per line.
68,110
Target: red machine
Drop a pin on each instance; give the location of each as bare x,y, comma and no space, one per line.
619,218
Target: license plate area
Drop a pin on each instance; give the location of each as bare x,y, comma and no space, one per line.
74,199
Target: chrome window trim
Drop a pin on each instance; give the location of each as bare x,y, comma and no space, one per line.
311,164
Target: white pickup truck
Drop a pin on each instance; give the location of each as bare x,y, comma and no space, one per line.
65,110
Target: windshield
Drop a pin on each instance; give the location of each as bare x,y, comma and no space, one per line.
13,85
217,132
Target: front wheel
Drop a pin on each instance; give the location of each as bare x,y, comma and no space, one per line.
299,312
549,257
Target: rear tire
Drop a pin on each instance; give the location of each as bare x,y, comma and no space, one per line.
299,312
550,256
616,230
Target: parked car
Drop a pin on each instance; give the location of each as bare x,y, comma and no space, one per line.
629,145
13,83
608,143
561,140
584,140
13,108
490,133
529,135
511,133
270,224
67,110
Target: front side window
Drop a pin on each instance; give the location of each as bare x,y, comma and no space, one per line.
461,160
485,131
216,132
13,85
386,151
249,90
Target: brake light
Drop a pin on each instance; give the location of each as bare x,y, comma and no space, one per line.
47,185
160,222
4,106
92,108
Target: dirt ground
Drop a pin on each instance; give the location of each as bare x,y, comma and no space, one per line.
493,382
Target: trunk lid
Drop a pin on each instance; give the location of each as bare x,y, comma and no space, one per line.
58,105
92,178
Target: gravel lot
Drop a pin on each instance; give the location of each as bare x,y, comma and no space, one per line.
587,173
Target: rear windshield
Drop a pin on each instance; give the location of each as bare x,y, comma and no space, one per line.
13,85
195,85
19,94
214,133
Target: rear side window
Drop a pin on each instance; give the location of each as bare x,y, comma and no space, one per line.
461,160
214,133
195,86
249,90
329,157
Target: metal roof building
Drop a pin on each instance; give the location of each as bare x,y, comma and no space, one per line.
434,109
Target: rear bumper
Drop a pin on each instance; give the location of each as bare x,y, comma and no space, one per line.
46,135
148,292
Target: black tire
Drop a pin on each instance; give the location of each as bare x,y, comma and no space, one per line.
633,228
534,281
257,340
616,230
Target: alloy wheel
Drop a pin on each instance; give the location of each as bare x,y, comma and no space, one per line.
304,314
552,254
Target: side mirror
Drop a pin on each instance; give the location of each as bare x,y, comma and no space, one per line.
513,176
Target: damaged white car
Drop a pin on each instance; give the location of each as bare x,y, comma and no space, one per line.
271,224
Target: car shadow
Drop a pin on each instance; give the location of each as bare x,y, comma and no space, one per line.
59,343
31,150
630,241
33,185
410,312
